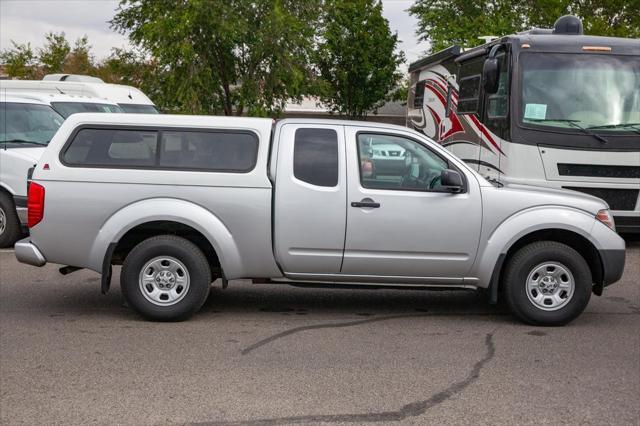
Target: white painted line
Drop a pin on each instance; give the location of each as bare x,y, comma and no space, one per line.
6,250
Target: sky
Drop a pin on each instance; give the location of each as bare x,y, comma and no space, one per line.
27,21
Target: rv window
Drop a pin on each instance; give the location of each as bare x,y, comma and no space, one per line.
470,77
469,101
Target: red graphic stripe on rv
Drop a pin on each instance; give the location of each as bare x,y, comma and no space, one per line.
435,115
438,94
485,132
456,127
440,84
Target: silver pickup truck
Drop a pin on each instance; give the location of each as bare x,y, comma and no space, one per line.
180,201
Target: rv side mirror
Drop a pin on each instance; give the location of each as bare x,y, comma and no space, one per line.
490,75
449,105
451,180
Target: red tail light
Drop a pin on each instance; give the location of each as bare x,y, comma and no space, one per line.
35,204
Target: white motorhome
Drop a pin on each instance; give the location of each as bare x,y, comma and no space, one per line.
552,108
65,105
130,99
26,127
27,123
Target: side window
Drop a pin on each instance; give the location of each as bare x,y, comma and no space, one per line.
470,77
395,162
418,99
315,156
112,147
213,151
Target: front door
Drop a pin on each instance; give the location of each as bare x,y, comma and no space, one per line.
400,221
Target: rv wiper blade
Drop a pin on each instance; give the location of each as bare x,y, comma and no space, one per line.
24,141
632,126
575,124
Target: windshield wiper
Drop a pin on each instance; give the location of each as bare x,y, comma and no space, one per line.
573,123
24,141
632,126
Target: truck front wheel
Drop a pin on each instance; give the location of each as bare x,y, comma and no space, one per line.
165,278
547,283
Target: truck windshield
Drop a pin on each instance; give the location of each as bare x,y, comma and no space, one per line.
27,124
594,91
67,108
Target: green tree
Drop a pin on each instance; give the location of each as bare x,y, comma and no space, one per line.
80,60
357,57
443,23
20,61
234,57
54,53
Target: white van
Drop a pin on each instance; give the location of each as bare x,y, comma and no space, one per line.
26,127
130,99
65,105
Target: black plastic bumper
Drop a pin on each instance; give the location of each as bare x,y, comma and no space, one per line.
612,265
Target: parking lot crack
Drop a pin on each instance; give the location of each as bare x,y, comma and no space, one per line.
413,409
295,330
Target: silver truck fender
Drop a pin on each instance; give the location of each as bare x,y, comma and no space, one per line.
525,222
169,209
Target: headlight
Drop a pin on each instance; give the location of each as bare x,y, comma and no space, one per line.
605,217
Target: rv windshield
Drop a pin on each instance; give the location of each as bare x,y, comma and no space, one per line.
25,124
593,91
68,108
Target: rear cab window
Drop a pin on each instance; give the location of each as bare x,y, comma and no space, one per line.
174,149
315,157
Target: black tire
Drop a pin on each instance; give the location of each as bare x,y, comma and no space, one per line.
524,261
197,271
12,230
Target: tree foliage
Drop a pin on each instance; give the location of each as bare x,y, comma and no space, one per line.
54,53
357,57
443,23
56,56
235,56
20,61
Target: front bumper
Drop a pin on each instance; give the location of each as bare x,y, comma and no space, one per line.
27,252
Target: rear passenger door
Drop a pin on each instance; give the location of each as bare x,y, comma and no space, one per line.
310,199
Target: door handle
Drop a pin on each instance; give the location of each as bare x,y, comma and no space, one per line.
365,203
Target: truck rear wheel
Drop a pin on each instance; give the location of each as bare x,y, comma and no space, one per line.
9,224
547,283
165,278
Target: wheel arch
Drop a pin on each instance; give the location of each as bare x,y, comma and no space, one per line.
565,225
138,221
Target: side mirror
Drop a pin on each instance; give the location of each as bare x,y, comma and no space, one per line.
451,180
491,71
490,75
449,105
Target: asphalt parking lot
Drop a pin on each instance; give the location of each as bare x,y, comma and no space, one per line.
280,354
